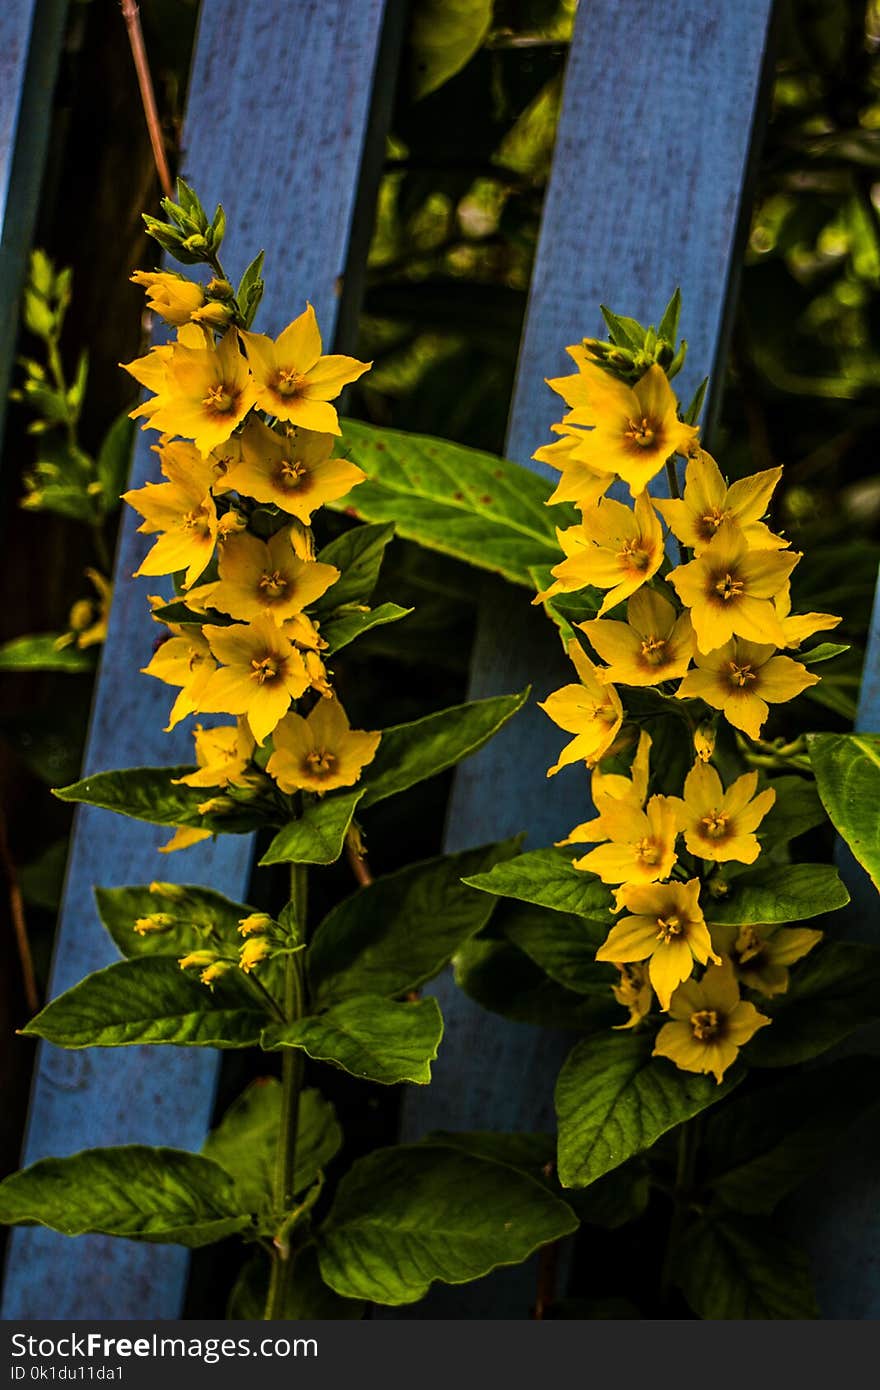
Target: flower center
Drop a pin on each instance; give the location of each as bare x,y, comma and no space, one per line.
668,928
264,669
640,432
712,520
728,587
714,824
647,851
741,675
633,556
218,400
654,650
320,761
705,1025
196,520
287,381
290,473
273,585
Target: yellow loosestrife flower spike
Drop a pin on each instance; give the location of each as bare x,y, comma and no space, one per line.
261,673
293,381
170,296
632,430
615,547
223,756
654,644
708,503
611,789
642,843
719,824
710,1023
207,392
321,752
294,471
665,926
729,590
761,955
742,679
266,578
591,711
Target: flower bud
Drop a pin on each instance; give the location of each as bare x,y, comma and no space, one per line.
198,960
253,952
215,972
254,923
213,315
154,924
219,289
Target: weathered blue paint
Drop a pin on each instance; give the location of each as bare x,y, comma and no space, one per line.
278,109
645,194
31,32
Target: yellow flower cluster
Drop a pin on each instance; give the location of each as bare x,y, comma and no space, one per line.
246,453
712,628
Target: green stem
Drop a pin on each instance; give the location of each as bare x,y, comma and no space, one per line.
688,1144
292,1066
675,491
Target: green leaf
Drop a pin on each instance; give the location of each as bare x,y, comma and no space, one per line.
197,918
319,834
624,332
358,553
42,879
157,1195
616,1198
562,944
400,931
547,878
114,458
151,1000
825,651
410,753
368,1036
39,653
530,1153
244,1143
847,768
343,628
566,610
407,1216
444,36
668,329
149,793
307,1297
501,978
483,510
832,992
761,1146
797,809
789,893
613,1100
741,1270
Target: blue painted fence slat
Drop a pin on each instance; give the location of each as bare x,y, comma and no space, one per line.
278,109
645,194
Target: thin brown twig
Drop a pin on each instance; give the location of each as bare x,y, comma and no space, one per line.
548,1260
359,866
132,17
19,923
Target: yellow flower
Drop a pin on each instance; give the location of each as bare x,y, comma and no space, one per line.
223,756
642,843
580,482
321,752
182,510
654,644
253,952
255,924
613,548
151,370
799,626
633,990
634,430
710,1023
730,589
206,393
183,659
613,789
154,924
293,381
170,296
266,577
761,955
295,471
667,926
89,616
740,679
708,502
183,837
261,674
721,824
591,710
704,742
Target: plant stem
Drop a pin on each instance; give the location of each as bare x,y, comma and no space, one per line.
131,15
688,1144
292,1066
675,491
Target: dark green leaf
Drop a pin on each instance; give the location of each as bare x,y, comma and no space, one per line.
832,992
617,1198
823,652
358,554
306,1294
39,653
797,808
343,628
789,893
501,978
368,1036
319,834
114,458
195,918
742,1270
563,945
149,793
547,878
847,768
444,36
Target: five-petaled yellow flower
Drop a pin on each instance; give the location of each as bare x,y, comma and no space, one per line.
293,381
223,756
666,926
633,430
721,824
170,296
294,470
729,590
261,673
580,482
708,502
710,1023
183,659
641,846
181,510
207,392
742,678
591,711
321,752
654,644
761,955
799,626
633,990
615,548
613,788
267,577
